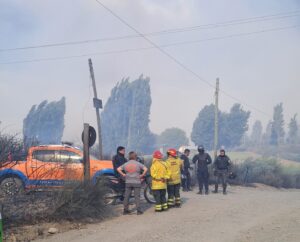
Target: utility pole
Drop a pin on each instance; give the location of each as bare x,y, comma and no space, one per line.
216,139
98,106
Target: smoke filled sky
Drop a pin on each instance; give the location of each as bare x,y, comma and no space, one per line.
260,69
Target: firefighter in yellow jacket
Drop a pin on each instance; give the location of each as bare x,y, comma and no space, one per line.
174,165
160,174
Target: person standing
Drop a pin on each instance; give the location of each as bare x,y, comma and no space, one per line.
186,182
159,174
133,171
202,160
174,165
119,160
221,166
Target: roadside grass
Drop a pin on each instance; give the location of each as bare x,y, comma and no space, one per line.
76,201
268,171
238,157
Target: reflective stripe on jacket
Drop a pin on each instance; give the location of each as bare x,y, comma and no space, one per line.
159,173
174,165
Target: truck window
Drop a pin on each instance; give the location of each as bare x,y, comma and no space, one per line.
69,157
44,155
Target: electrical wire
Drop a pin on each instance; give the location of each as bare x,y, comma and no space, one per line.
164,32
148,48
175,60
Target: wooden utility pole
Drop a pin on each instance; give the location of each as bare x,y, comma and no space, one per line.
216,139
86,153
98,106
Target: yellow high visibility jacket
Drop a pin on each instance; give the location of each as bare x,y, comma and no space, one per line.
159,173
174,165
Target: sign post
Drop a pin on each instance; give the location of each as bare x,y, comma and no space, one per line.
88,139
1,227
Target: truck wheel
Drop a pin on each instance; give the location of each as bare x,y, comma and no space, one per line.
11,186
148,194
110,196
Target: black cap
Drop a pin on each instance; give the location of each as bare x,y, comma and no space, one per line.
120,148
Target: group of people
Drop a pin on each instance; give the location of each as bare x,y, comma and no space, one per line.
169,175
202,160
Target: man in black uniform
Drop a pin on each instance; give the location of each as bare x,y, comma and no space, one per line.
186,181
221,168
202,160
119,160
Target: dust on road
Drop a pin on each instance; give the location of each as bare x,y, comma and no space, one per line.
245,214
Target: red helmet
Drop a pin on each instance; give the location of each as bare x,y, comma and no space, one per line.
172,152
157,155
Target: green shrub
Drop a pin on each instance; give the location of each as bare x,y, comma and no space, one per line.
267,171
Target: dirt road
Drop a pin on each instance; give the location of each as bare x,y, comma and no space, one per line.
245,214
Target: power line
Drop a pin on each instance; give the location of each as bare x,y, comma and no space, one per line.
148,48
227,23
173,58
74,56
232,36
164,32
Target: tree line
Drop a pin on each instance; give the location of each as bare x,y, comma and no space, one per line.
126,118
275,134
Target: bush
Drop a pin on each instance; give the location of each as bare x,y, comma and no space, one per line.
269,172
286,151
80,201
73,202
13,148
10,148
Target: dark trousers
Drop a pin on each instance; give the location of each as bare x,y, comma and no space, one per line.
174,192
128,191
203,180
122,187
160,199
221,177
186,182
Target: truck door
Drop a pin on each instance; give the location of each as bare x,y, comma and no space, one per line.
46,169
73,165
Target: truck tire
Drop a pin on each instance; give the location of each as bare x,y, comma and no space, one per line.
148,194
110,196
11,186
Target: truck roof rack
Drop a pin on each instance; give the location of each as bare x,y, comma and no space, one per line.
62,145
67,143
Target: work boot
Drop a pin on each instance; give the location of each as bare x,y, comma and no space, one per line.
126,212
165,207
206,192
224,190
200,192
139,212
216,188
